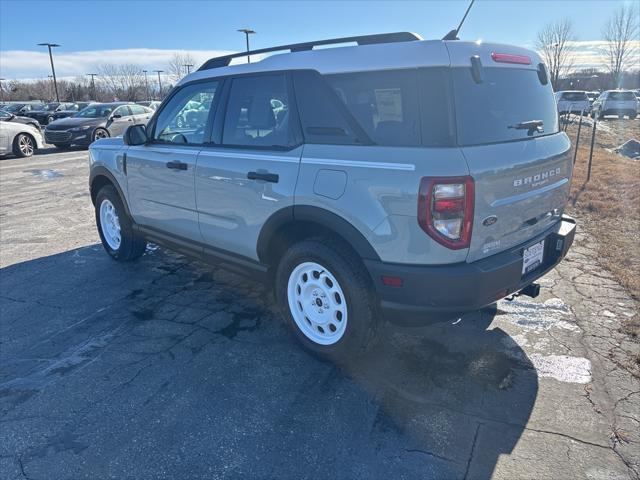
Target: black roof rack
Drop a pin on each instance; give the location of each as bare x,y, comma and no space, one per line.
224,61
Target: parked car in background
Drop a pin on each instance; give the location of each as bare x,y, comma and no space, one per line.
572,101
21,108
309,172
52,111
620,103
68,109
10,117
19,138
98,120
153,104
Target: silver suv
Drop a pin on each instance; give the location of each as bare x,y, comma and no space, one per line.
397,179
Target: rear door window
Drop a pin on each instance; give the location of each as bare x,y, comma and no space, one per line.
258,113
490,111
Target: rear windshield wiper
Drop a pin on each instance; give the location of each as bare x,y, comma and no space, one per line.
530,126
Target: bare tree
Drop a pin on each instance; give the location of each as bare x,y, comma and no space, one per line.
122,82
621,35
177,67
553,43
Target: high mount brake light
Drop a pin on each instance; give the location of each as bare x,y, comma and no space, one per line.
445,210
509,58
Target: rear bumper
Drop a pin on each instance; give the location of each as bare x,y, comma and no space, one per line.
431,294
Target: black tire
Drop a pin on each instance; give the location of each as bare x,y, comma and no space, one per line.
99,131
132,246
23,145
362,304
62,146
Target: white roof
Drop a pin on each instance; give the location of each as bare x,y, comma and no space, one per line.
382,56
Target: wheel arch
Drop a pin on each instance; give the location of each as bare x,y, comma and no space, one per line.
101,177
297,222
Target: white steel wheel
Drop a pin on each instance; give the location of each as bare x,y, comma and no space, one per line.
317,303
110,224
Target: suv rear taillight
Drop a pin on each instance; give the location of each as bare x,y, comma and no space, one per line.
445,210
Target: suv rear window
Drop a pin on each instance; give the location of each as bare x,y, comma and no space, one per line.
575,96
487,112
622,96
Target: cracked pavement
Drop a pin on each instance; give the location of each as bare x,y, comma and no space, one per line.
168,368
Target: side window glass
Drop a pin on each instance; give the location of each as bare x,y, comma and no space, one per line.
385,104
322,121
184,118
137,110
123,111
258,112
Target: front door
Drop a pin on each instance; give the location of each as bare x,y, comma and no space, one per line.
161,173
252,170
119,120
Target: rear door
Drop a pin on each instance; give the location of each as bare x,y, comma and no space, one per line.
161,173
521,171
250,170
141,115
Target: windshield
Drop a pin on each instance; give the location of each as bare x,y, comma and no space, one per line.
492,110
4,114
96,111
628,96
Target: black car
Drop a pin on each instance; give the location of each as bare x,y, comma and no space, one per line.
21,108
10,117
55,110
98,120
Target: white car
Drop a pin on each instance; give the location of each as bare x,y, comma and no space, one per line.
18,138
572,101
615,102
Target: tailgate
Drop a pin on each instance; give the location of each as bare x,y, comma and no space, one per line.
521,189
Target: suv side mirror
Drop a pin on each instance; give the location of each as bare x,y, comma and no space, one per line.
136,135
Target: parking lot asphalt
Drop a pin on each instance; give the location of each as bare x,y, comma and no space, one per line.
168,368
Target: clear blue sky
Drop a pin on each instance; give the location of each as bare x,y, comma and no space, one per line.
204,25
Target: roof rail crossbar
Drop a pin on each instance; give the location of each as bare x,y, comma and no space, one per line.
224,61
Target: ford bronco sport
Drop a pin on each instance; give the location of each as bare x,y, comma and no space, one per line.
396,179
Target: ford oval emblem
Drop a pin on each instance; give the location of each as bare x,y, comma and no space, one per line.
490,220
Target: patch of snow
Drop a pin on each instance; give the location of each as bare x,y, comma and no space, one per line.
609,314
538,316
562,367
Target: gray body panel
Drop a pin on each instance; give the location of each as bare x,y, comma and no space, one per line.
232,208
160,197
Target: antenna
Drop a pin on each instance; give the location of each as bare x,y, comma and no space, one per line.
453,34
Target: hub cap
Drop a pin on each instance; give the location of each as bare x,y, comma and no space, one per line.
26,145
100,134
317,303
110,224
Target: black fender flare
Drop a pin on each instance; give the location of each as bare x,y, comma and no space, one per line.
101,171
319,216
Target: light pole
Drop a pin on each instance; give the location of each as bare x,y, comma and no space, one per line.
50,77
247,32
188,65
159,83
146,83
53,70
93,84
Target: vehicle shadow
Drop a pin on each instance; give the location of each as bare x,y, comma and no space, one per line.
48,150
175,367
